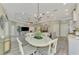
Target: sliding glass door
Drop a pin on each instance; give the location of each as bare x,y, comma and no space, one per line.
61,28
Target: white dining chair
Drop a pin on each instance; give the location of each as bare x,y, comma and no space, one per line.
26,50
53,35
48,50
52,47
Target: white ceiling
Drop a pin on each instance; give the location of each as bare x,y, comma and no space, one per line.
56,10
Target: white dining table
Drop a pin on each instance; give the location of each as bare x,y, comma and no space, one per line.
39,42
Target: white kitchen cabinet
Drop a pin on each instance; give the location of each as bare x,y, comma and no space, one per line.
73,45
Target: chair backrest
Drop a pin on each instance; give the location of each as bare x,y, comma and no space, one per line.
52,47
19,42
22,38
20,46
53,35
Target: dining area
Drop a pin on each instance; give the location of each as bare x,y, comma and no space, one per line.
33,46
38,43
27,47
38,29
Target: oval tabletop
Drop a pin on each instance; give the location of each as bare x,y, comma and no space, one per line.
39,42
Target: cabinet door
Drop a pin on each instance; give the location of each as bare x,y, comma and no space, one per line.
73,46
7,45
1,46
1,41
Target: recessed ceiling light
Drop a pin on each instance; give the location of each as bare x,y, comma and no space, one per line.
47,12
40,14
23,13
66,10
65,3
35,15
2,36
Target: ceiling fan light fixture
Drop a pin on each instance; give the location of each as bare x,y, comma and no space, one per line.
64,3
66,10
48,12
35,15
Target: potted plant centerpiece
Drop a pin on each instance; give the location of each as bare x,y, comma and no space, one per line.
38,34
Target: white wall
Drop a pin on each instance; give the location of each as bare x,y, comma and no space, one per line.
77,14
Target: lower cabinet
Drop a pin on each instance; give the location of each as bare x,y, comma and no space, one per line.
73,46
5,46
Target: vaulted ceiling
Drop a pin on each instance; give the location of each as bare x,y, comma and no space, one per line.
23,11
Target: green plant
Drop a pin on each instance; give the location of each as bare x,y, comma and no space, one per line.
38,35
